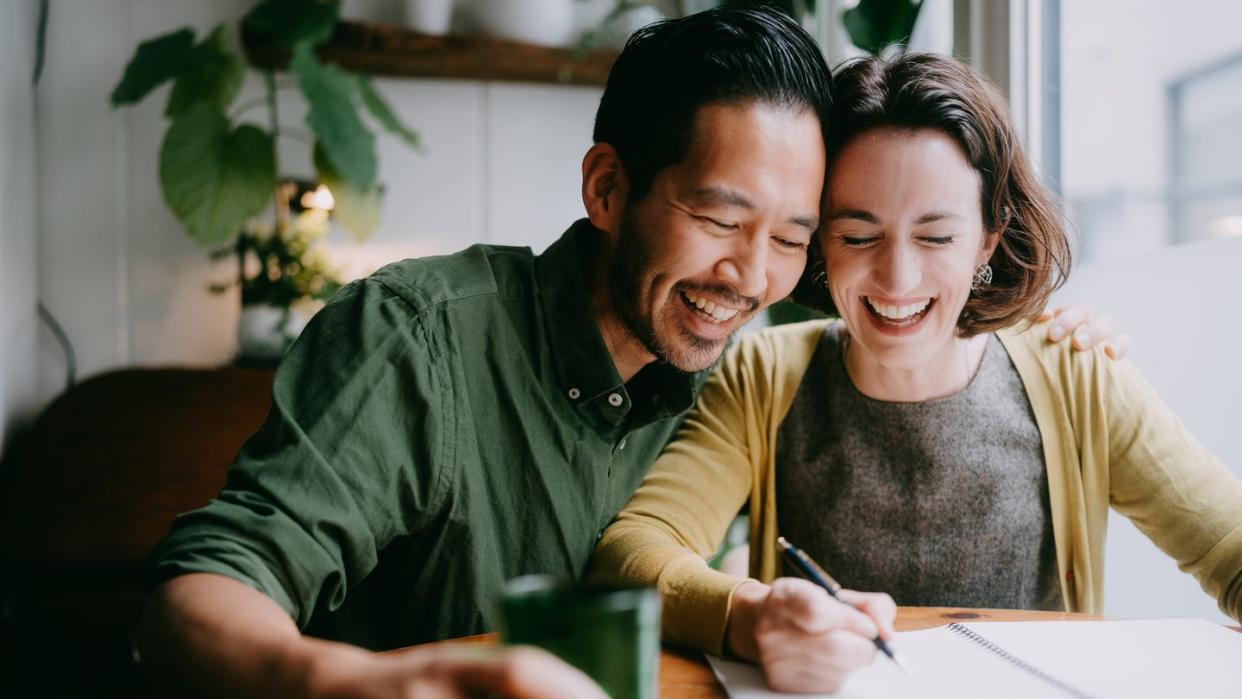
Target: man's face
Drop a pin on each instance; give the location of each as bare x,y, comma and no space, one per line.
722,234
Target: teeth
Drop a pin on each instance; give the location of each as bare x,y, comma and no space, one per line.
717,313
898,313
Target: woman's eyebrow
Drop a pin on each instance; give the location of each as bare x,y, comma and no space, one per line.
857,214
933,216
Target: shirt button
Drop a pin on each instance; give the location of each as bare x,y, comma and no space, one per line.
621,445
615,400
574,393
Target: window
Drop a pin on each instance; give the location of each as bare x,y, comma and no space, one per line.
1150,122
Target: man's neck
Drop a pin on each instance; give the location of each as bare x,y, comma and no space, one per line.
628,354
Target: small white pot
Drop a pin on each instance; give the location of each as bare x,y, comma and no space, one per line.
265,332
545,22
429,16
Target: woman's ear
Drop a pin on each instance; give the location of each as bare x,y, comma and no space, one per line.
604,187
990,240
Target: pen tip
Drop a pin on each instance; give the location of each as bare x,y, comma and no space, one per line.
901,663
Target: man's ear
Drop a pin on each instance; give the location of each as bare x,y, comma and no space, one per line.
604,187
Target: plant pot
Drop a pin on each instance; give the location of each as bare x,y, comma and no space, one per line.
429,16
265,332
545,22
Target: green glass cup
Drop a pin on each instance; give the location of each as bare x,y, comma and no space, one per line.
610,632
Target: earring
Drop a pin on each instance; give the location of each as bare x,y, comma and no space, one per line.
983,276
819,276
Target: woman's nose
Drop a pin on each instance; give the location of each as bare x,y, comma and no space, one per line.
898,272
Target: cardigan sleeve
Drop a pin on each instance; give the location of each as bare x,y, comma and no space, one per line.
1175,491
680,513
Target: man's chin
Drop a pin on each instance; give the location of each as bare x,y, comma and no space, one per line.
694,354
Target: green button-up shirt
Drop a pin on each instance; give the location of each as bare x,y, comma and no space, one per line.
440,427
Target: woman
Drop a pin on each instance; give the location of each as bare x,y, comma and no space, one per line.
931,444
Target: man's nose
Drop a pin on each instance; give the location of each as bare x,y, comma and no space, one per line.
745,266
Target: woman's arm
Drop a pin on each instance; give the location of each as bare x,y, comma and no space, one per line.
1173,489
680,513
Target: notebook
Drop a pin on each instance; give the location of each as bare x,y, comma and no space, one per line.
1075,659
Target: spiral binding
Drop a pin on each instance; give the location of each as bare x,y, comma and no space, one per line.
1016,661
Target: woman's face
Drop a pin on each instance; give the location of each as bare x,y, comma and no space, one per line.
903,236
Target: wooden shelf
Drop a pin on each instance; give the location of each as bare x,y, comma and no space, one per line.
379,49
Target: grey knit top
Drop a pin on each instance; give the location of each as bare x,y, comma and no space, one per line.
938,503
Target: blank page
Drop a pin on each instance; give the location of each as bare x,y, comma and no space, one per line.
1168,658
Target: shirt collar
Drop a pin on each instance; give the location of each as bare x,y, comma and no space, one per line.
585,368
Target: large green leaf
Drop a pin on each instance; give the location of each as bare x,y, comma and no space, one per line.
346,141
155,61
214,73
293,22
215,177
383,113
874,25
357,210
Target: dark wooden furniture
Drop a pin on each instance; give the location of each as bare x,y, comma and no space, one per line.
89,491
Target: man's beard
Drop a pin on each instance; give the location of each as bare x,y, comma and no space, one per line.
629,273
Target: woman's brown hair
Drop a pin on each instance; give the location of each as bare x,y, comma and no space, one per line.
926,91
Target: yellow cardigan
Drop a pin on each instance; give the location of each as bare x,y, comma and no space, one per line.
1107,438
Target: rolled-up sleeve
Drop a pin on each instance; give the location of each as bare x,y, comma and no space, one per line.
352,455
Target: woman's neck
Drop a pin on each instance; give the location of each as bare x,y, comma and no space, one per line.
945,372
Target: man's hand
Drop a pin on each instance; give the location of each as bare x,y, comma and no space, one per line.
451,672
206,635
1088,330
804,640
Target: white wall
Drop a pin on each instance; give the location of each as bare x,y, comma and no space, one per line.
500,164
18,319
1180,307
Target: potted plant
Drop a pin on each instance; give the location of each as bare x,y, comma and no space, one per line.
217,171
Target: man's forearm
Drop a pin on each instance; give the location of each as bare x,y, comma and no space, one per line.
209,635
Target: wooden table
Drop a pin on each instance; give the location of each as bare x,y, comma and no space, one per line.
684,673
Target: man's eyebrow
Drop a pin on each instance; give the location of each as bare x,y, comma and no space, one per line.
858,214
718,196
811,223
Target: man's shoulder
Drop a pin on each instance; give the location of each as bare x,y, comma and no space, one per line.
479,270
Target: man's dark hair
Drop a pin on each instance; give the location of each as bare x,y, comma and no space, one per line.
671,68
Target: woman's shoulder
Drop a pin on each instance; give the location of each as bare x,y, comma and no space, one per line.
1057,367
784,344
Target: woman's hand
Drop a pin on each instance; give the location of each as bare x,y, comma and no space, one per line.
1088,330
805,640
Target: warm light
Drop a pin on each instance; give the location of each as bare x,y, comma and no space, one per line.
321,198
1227,226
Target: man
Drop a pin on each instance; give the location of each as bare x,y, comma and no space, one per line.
450,423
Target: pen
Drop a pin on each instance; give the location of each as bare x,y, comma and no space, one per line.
819,576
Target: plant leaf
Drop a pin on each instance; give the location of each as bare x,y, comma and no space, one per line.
357,210
346,141
291,22
214,178
383,113
213,73
155,61
874,25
